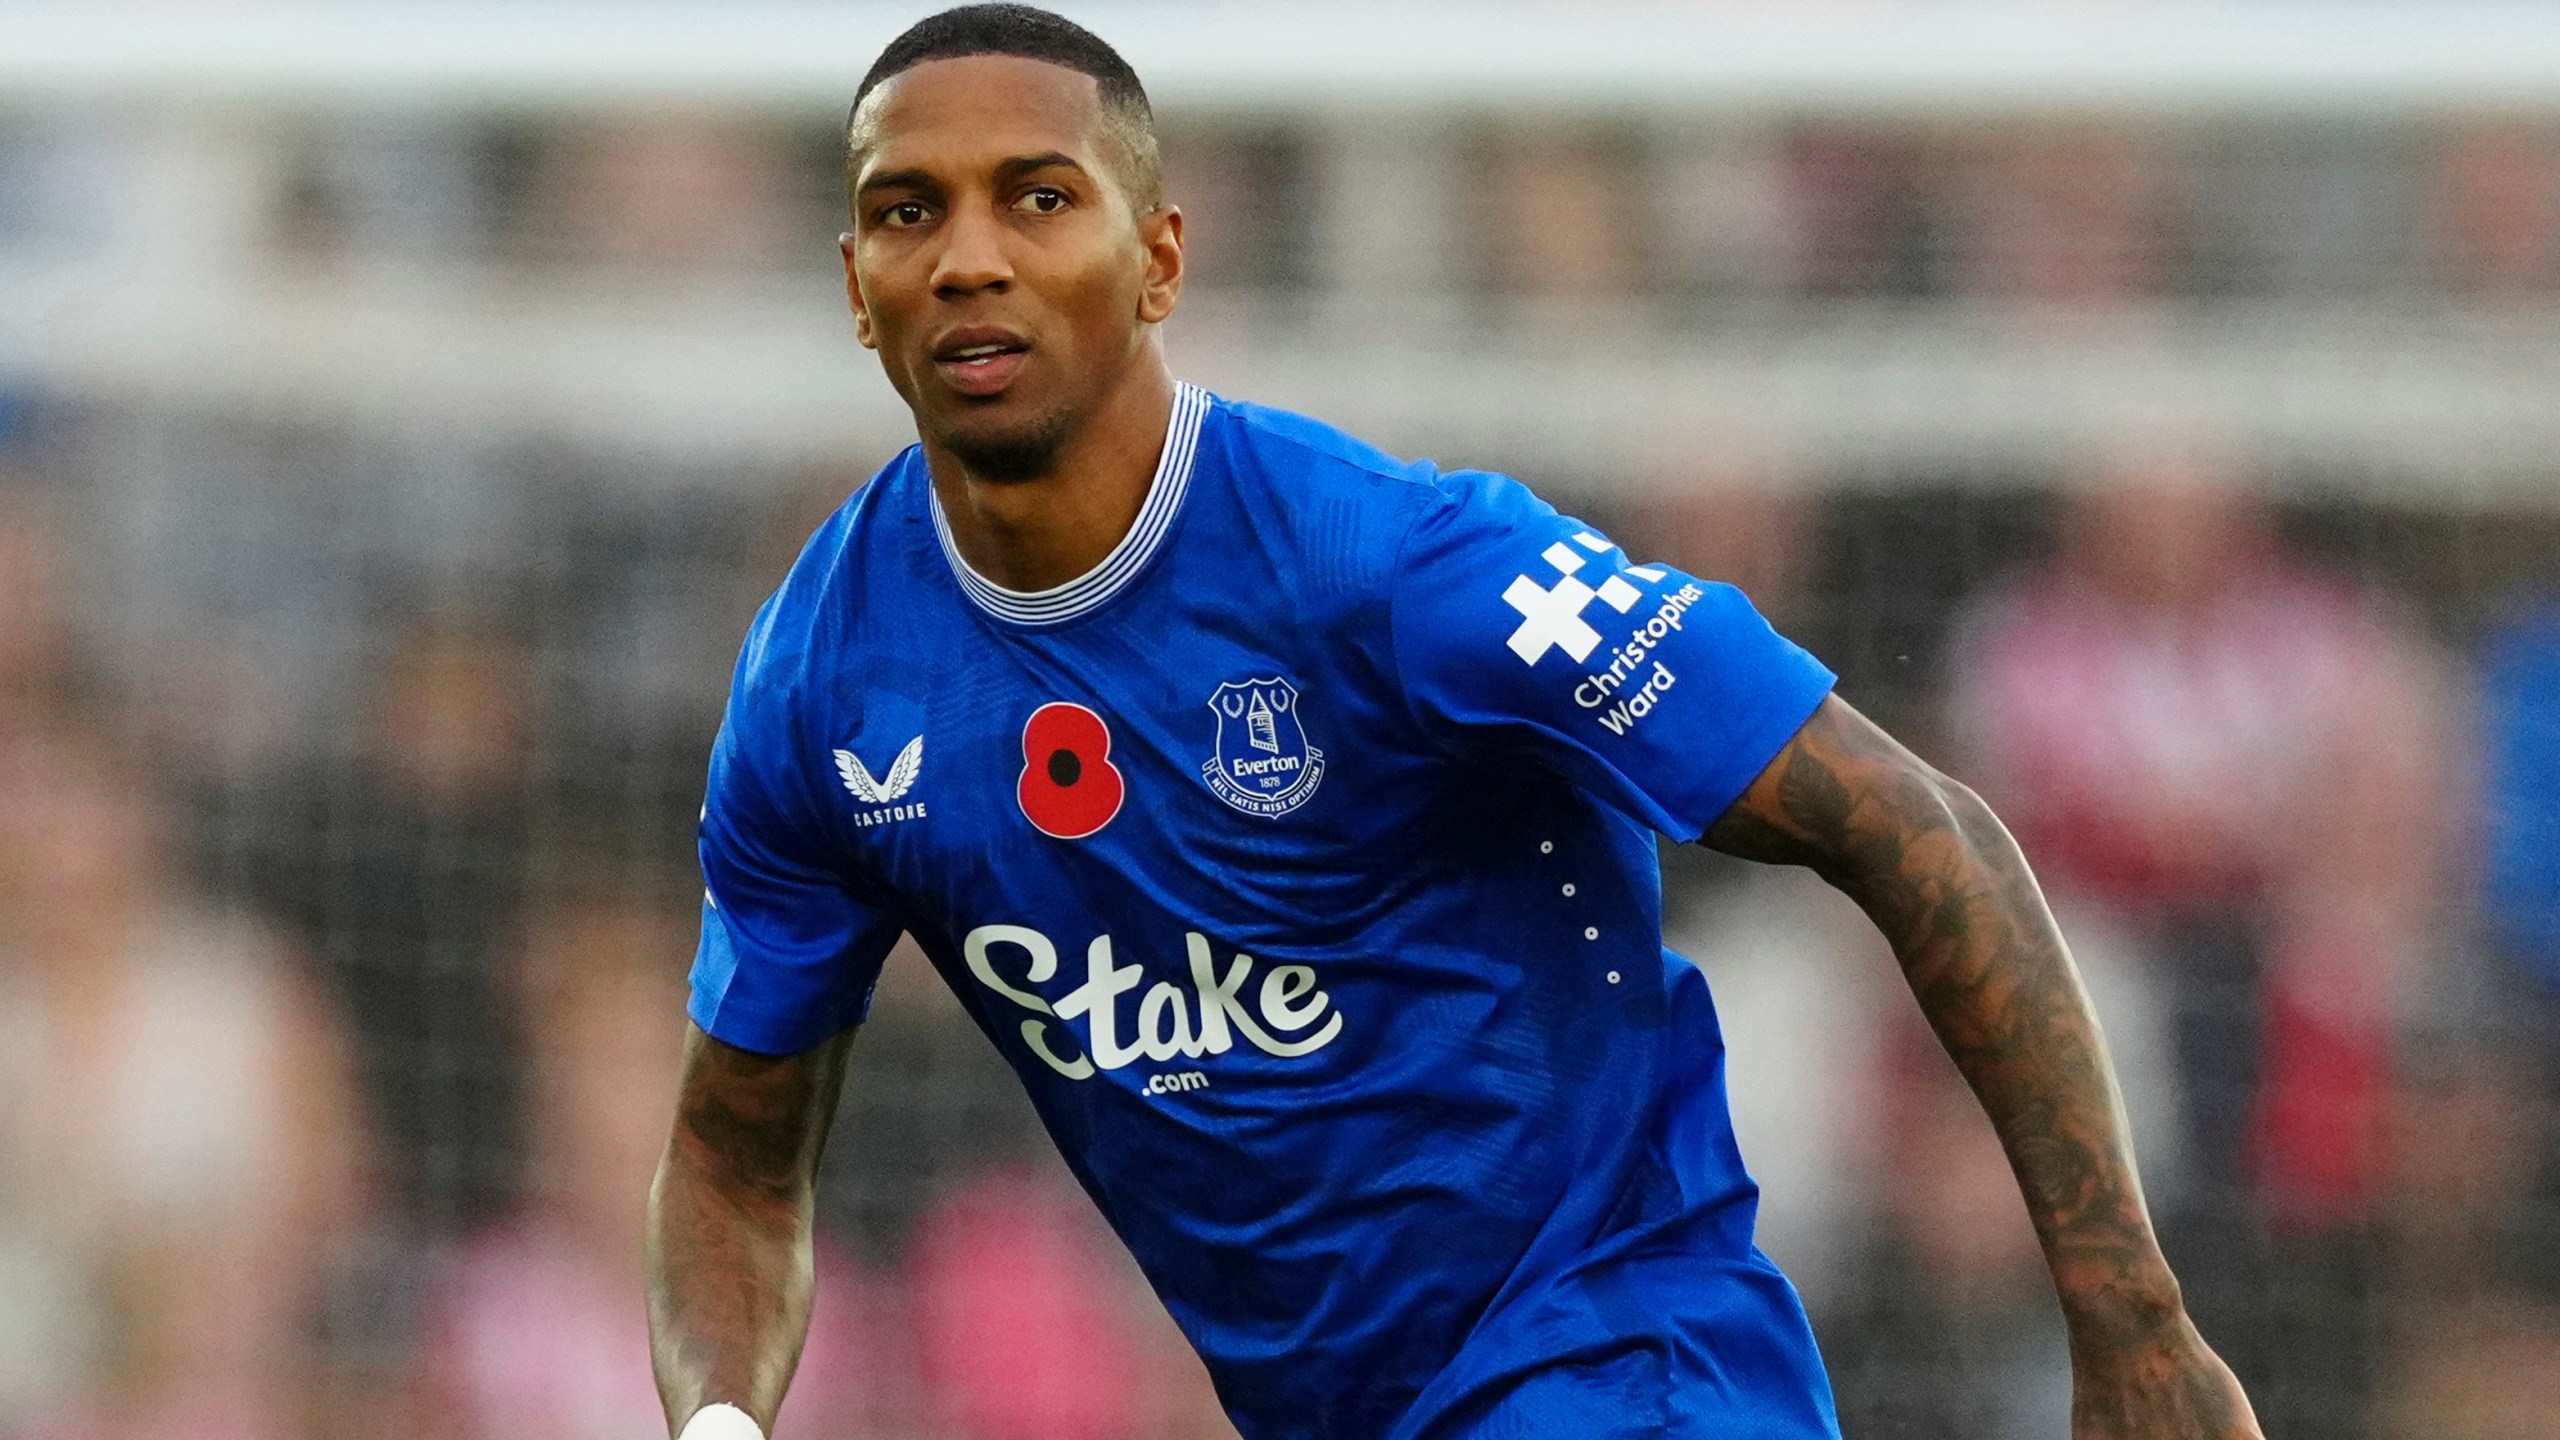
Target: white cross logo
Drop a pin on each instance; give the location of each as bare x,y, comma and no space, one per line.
1551,618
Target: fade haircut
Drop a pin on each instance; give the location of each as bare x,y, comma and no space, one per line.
1128,122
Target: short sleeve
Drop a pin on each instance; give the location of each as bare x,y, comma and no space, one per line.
789,950
1521,631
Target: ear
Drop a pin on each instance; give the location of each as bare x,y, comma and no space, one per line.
1161,236
853,294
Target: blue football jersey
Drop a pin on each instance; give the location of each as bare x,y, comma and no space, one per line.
1300,860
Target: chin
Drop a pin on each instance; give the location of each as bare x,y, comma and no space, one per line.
1007,449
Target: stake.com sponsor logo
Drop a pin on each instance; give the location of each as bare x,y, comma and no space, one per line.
1291,1016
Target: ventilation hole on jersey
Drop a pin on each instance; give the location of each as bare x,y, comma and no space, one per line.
1590,932
1568,890
1546,847
1613,977
1064,767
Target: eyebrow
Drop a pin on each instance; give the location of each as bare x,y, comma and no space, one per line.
896,180
1021,165
1010,169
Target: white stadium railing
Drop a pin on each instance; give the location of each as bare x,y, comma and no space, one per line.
166,297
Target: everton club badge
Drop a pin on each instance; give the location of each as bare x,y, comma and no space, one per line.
1264,765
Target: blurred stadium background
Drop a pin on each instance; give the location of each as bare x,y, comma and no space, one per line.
2149,408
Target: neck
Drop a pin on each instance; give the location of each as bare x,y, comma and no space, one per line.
1036,534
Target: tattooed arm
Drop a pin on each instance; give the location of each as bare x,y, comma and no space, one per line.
730,1269
1939,875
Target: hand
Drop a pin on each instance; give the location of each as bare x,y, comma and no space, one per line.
2157,1382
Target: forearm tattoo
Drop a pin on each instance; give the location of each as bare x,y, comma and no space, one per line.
729,1227
1940,876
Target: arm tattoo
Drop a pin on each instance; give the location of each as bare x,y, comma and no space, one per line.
1939,875
730,1219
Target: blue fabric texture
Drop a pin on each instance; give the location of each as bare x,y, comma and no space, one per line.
1301,864
2521,703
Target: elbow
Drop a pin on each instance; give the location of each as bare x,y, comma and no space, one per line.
1965,812
1938,826
1977,831
1982,845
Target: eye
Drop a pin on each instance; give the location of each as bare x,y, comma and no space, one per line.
1045,200
904,213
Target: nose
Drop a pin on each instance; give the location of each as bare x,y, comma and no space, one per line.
972,261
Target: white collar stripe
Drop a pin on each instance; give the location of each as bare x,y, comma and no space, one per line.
1146,535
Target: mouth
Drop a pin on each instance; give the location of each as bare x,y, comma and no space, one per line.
980,361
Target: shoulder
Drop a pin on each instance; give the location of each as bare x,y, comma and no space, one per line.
1337,490
1300,442
1328,459
827,596
2523,647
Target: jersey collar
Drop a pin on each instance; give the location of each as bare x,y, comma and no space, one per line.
1087,592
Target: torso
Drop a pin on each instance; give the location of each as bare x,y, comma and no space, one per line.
1357,1033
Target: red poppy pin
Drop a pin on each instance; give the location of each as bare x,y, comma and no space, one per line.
1069,787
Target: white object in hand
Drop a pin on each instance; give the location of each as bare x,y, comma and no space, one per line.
721,1422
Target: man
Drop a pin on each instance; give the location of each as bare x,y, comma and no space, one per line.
1281,811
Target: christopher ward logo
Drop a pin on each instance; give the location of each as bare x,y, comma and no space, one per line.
1551,615
1627,691
1290,1014
885,791
1264,765
1634,679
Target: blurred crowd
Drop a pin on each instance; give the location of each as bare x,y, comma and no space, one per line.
345,888
2305,856
337,1070
336,1075
2061,215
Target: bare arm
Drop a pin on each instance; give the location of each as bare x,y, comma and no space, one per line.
730,1217
1939,875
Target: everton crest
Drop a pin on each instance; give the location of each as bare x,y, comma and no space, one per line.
1264,765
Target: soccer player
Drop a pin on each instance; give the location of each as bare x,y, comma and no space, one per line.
1284,813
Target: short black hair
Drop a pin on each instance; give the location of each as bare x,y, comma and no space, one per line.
1032,34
